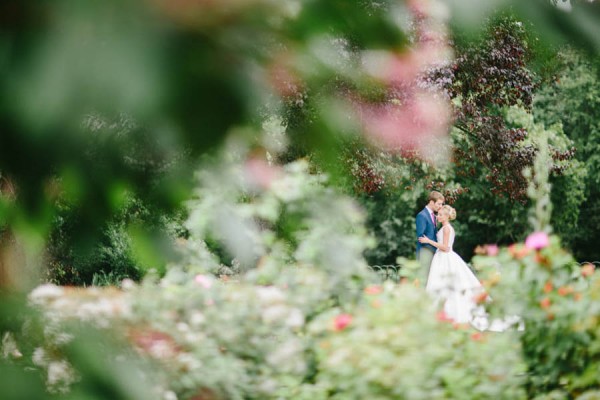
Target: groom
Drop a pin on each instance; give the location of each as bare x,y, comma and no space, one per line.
427,226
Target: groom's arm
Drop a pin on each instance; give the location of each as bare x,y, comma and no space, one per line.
421,225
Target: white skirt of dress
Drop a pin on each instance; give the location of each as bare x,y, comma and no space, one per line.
452,282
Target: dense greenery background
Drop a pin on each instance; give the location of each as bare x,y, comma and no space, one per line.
547,81
216,152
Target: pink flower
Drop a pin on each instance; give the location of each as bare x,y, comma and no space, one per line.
492,250
260,174
282,76
203,281
373,289
342,321
419,125
588,270
443,317
537,240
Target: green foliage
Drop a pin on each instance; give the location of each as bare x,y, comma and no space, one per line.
43,357
558,307
112,257
191,74
568,199
392,209
300,319
493,142
573,101
270,218
395,347
240,340
109,255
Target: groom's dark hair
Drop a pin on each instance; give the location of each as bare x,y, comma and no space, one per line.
435,196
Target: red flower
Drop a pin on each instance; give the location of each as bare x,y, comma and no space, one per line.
565,290
477,336
548,287
480,297
342,321
518,251
545,303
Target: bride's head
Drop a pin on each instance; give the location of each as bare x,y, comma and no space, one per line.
448,211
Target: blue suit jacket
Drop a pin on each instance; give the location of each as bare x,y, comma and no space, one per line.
425,226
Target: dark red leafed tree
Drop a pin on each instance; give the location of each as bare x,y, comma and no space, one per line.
484,79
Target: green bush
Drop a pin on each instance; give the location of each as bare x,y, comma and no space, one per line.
303,319
111,257
557,302
395,347
573,101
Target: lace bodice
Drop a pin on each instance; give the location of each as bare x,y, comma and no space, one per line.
440,236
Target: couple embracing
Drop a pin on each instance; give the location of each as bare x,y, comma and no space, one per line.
448,277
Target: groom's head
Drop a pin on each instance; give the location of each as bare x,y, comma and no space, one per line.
436,201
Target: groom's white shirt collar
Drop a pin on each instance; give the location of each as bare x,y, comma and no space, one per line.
429,209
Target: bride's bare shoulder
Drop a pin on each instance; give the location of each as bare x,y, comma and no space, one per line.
448,228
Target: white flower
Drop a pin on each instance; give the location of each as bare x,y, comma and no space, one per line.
45,293
39,357
270,294
197,319
169,395
127,284
63,338
59,372
275,313
285,357
268,386
295,318
189,361
9,346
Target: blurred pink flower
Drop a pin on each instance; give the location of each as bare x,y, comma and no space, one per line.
443,317
537,240
342,321
404,68
259,173
282,77
588,270
157,344
203,281
373,289
492,250
413,126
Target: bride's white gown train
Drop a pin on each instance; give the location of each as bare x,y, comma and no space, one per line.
451,281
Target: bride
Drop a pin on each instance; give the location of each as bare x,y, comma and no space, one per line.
450,279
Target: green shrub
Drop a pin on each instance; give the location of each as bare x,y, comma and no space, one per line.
558,304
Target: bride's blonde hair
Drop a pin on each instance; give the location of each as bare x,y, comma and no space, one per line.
449,211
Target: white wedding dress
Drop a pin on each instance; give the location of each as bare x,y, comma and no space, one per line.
452,282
